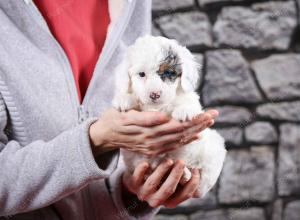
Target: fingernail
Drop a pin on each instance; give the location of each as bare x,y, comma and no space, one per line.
195,137
195,171
197,194
213,112
206,117
181,163
200,117
144,164
164,117
170,162
209,123
192,137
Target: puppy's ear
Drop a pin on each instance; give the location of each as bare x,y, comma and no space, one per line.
122,98
122,79
190,70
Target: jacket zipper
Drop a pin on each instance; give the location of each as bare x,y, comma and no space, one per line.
82,112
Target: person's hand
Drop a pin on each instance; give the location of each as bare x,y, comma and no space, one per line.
162,186
149,133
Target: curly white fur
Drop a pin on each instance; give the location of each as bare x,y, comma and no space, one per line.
158,74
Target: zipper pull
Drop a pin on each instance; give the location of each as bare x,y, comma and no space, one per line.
82,114
27,1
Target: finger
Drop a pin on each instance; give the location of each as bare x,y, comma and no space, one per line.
201,118
125,139
213,112
176,145
166,148
131,129
145,119
169,186
186,192
184,137
140,171
198,128
172,126
197,194
163,140
154,180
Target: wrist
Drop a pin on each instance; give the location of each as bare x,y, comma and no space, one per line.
131,201
95,141
94,135
128,196
125,188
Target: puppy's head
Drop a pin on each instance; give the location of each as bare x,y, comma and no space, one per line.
158,69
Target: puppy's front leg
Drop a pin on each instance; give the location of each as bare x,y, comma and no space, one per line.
187,106
187,175
124,102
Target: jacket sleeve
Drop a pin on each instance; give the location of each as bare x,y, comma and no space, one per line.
41,173
137,210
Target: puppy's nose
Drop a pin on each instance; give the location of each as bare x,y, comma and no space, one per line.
154,95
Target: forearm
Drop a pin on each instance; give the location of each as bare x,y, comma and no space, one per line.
97,141
129,206
134,206
41,173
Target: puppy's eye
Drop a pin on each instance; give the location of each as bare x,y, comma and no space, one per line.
142,74
169,74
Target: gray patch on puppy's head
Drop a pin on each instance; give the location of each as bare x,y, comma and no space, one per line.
170,68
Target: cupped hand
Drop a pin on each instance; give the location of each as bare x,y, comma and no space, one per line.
162,186
149,133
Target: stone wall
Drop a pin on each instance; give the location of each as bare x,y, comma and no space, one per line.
250,53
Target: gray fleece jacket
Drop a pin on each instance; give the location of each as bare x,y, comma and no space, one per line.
47,170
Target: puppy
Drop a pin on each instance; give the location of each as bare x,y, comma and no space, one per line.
157,74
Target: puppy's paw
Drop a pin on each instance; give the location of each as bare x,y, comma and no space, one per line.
187,175
124,102
186,113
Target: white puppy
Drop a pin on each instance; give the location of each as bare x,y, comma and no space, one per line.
157,74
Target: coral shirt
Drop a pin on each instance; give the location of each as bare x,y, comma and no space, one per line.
80,27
